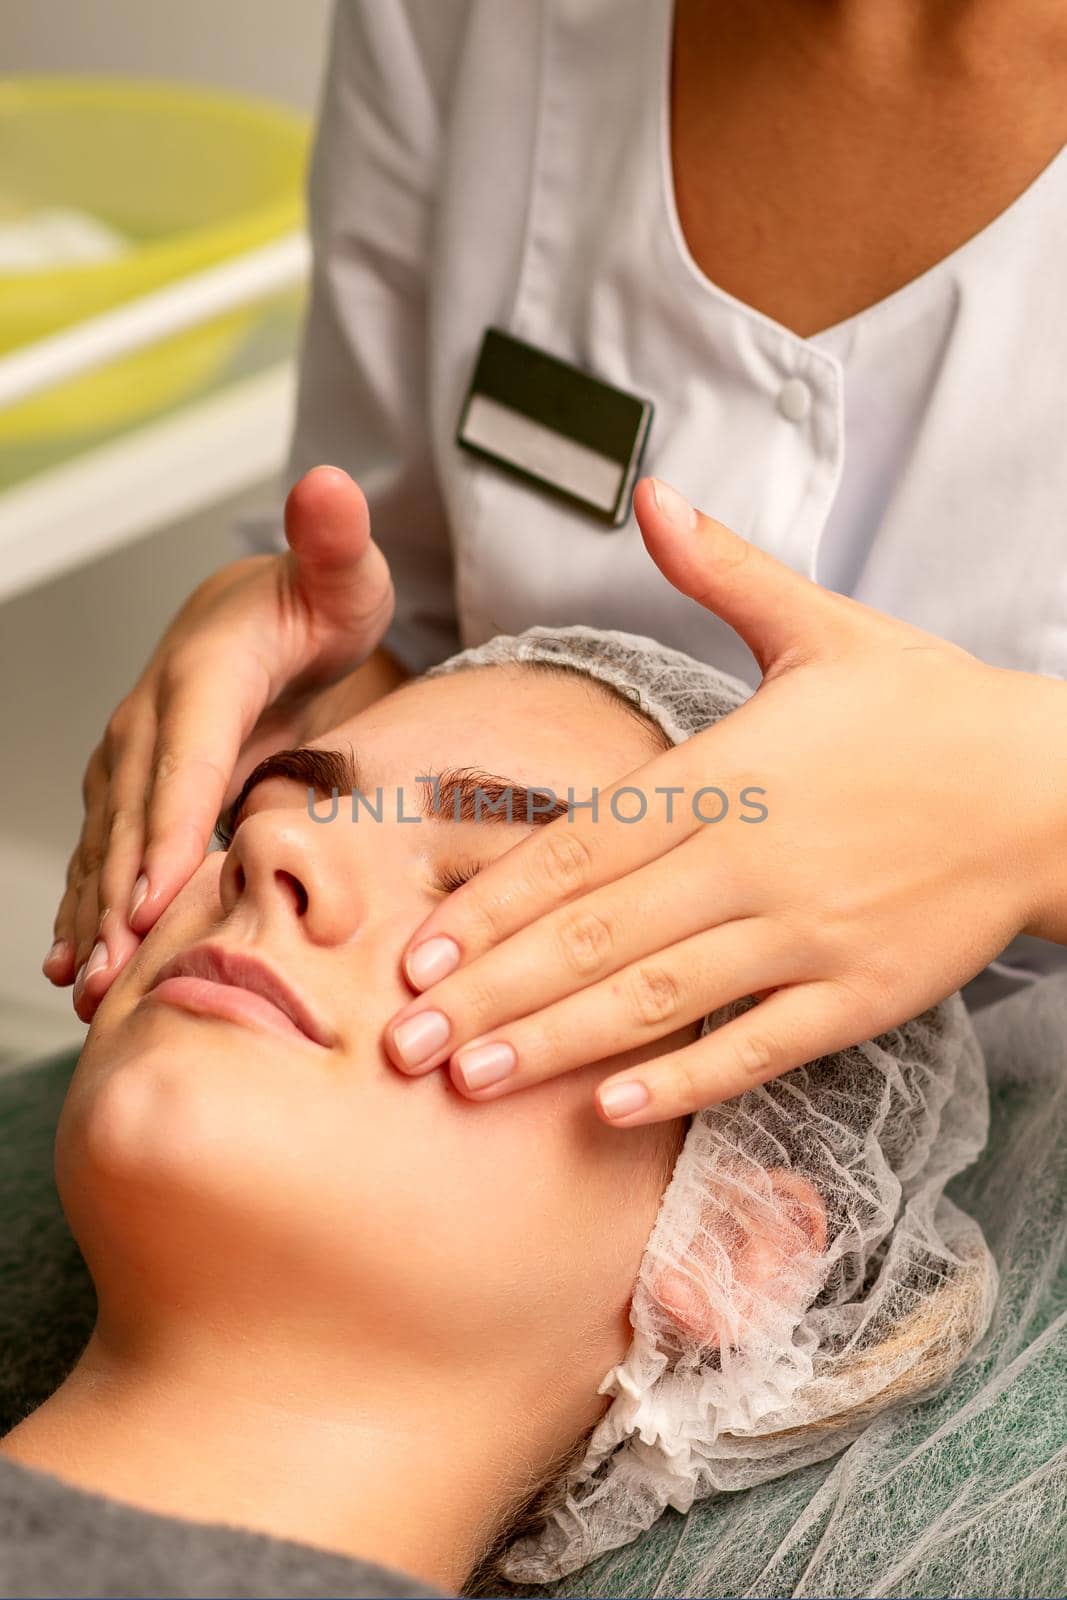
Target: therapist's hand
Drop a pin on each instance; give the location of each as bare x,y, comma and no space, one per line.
916,822
232,679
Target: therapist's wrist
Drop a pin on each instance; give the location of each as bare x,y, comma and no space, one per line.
1043,730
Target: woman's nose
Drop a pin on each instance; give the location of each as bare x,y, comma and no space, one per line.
280,864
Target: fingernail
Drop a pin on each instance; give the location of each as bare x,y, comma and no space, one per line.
430,962
486,1064
137,894
59,948
675,506
419,1037
97,960
620,1099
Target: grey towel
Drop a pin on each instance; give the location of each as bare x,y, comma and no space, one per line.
56,1540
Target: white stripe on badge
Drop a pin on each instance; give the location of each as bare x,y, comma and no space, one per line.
540,450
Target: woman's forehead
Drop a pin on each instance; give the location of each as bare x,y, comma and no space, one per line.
539,728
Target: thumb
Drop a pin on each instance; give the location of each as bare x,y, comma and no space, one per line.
782,617
336,568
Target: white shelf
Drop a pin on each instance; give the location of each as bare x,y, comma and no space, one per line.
175,308
142,480
145,479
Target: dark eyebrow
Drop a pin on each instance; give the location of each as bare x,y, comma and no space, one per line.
467,794
321,770
459,794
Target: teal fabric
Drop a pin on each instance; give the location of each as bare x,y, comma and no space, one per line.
962,1494
47,1302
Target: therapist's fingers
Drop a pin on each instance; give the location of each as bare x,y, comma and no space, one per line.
792,1026
129,743
63,959
555,865
61,963
90,928
783,617
645,1002
84,868
132,748
201,730
647,913
242,661
339,578
115,944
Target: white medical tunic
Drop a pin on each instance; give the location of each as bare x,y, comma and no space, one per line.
481,163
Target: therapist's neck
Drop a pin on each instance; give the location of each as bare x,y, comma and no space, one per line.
887,32
352,1450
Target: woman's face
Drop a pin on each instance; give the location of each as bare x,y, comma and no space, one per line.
218,1169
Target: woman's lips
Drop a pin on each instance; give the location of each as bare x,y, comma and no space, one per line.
207,998
240,986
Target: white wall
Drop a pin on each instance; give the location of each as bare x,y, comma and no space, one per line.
269,47
71,650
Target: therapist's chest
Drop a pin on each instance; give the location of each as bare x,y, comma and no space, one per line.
820,162
558,222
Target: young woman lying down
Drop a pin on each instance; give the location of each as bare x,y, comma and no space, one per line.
475,1340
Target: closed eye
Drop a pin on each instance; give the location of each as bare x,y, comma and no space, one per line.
451,878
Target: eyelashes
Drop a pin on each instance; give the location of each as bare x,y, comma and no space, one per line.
223,831
452,878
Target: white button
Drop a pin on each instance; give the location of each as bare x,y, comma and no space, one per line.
794,400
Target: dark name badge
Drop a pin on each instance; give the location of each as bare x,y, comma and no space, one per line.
555,425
